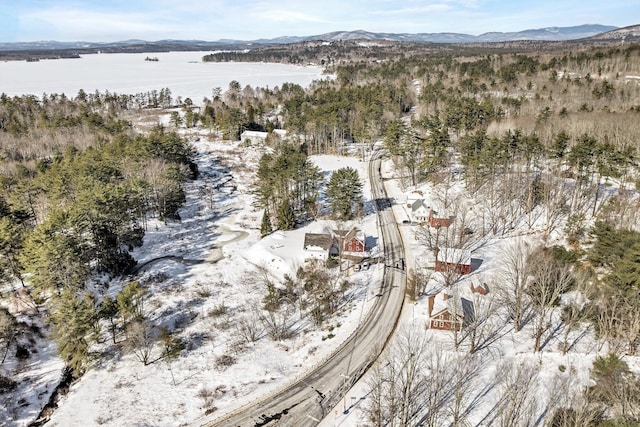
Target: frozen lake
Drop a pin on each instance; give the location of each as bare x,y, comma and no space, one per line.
182,72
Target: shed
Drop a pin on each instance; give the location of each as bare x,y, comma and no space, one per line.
439,218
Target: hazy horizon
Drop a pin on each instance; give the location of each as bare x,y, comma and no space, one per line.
118,20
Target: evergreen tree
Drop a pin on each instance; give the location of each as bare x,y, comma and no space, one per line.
131,302
286,216
265,227
55,257
345,193
288,173
109,310
8,331
11,235
626,272
73,319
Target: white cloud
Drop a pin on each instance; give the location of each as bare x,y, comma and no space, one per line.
79,24
280,16
432,8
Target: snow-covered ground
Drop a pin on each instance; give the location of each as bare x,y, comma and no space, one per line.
128,73
213,275
219,262
553,370
214,271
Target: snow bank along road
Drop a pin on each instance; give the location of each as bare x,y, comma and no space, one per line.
306,401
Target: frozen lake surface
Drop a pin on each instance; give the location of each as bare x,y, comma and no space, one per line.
128,73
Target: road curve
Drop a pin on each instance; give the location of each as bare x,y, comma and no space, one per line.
306,401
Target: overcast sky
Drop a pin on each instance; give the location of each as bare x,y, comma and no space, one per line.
112,20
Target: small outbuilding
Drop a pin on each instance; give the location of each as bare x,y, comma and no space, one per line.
439,218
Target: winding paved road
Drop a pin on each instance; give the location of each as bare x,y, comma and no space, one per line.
306,401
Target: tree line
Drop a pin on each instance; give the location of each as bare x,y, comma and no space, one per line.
76,214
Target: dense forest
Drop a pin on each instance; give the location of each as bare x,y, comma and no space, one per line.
534,133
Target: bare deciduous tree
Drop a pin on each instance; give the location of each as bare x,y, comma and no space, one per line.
483,327
463,382
405,384
512,289
142,337
277,324
516,405
249,327
567,405
549,278
573,310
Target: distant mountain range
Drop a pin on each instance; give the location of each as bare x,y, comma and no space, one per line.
549,34
600,32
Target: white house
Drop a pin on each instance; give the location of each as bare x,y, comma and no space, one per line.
254,136
420,211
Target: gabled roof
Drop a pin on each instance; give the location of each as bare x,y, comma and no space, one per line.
320,240
454,256
418,205
254,134
443,302
350,234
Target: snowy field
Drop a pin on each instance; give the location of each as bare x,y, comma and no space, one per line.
128,73
222,236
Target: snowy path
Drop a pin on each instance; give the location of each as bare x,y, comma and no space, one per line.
215,255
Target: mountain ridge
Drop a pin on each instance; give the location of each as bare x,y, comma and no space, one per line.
539,34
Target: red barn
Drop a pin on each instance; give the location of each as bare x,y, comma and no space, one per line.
437,220
453,259
445,312
352,241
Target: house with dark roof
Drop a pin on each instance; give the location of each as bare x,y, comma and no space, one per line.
319,246
420,212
